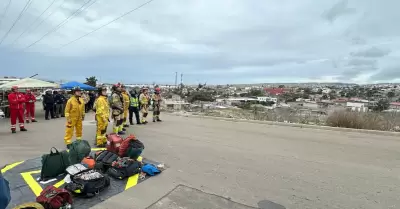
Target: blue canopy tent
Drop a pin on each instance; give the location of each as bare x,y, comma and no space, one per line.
74,84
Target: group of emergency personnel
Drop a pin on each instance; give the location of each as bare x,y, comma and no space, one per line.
121,105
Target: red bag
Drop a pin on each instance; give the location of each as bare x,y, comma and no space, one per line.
125,145
113,143
54,198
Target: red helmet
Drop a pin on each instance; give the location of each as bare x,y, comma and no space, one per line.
157,89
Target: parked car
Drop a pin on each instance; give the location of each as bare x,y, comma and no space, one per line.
2,115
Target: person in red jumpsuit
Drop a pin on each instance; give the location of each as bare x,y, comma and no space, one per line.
16,102
30,100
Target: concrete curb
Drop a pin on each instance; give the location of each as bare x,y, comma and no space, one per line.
295,125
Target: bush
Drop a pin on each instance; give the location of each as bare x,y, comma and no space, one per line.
357,120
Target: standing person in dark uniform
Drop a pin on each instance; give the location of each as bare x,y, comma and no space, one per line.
58,100
48,101
66,96
92,98
134,107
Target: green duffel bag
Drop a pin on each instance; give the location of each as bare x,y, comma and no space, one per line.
54,164
78,150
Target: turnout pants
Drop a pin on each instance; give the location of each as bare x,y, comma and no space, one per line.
117,125
134,110
125,116
101,131
14,114
144,113
30,111
156,113
76,123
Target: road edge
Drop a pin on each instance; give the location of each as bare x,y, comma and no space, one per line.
294,125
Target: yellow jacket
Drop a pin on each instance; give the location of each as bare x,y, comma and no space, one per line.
144,99
74,110
126,98
102,107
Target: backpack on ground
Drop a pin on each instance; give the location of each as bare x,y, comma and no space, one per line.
104,160
124,168
30,205
78,150
88,183
54,198
113,142
131,147
54,164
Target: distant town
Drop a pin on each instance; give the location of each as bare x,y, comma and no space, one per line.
370,106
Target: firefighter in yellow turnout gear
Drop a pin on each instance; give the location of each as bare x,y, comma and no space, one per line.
75,114
144,100
156,98
102,116
126,99
117,106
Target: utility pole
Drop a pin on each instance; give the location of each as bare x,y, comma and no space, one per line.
181,86
176,79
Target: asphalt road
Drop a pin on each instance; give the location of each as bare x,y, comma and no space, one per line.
247,163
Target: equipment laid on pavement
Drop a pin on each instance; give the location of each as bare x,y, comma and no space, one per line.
131,147
78,150
124,168
88,183
54,164
105,159
114,142
54,198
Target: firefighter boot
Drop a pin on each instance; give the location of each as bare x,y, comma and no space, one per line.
13,131
27,121
34,121
23,129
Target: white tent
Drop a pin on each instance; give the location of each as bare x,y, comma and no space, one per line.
28,83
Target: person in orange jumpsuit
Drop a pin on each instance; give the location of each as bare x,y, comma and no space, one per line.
16,102
30,100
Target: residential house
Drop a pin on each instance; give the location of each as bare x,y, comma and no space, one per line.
357,106
394,106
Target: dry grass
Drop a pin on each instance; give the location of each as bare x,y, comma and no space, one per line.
340,118
370,120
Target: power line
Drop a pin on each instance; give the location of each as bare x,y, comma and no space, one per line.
50,14
123,15
15,22
63,23
33,22
5,11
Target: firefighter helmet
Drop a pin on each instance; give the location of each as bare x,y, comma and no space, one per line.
76,88
101,89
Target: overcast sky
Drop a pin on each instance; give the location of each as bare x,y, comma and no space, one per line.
213,41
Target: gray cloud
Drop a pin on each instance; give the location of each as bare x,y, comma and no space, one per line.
218,41
339,9
387,74
373,52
